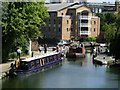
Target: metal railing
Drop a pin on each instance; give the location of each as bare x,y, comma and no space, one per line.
85,25
85,32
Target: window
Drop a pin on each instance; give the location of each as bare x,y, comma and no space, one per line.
94,22
67,21
50,14
71,21
49,21
54,21
59,29
84,21
84,28
59,21
71,29
71,15
55,15
37,62
54,29
49,29
91,22
62,14
67,29
94,29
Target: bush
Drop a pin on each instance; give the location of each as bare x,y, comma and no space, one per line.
91,39
13,55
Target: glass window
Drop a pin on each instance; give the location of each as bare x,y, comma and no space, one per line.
54,29
45,61
59,21
71,29
55,57
42,61
32,64
94,29
84,21
67,22
49,29
71,21
51,59
49,21
62,14
67,29
54,21
94,22
59,29
37,62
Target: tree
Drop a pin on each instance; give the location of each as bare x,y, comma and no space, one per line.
21,20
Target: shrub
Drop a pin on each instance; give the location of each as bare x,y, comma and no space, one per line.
13,55
91,39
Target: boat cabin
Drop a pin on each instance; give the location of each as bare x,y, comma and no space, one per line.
32,64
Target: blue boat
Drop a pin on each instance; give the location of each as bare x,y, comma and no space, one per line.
38,63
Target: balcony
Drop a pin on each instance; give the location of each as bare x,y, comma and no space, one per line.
85,32
84,25
84,17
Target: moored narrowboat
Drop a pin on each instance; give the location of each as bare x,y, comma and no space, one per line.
38,63
75,52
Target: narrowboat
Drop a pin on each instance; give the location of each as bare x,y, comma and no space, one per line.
38,63
75,52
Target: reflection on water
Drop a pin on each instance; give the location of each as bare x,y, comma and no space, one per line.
74,73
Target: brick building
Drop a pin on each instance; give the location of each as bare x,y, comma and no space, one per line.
70,20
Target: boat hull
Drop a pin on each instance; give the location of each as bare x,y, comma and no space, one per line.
75,55
39,69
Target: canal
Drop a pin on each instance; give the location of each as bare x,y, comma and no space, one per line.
74,73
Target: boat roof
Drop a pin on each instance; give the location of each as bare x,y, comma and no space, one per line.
33,58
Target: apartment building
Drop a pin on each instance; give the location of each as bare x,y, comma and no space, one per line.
70,20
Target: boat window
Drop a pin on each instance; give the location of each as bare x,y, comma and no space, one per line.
45,61
37,62
58,56
48,60
32,64
51,59
42,61
55,57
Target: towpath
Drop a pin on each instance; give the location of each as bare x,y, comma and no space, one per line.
6,66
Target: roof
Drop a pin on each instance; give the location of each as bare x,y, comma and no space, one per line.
38,57
58,6
75,6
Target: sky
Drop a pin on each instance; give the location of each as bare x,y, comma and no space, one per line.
101,0
98,0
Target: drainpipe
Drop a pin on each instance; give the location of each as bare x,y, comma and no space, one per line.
29,46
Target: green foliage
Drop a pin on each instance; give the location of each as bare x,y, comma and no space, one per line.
91,39
21,21
13,55
105,20
110,33
110,25
77,39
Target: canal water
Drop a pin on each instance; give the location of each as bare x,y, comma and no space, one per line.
73,73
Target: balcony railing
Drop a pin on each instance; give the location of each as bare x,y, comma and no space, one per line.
84,17
87,17
84,25
85,32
